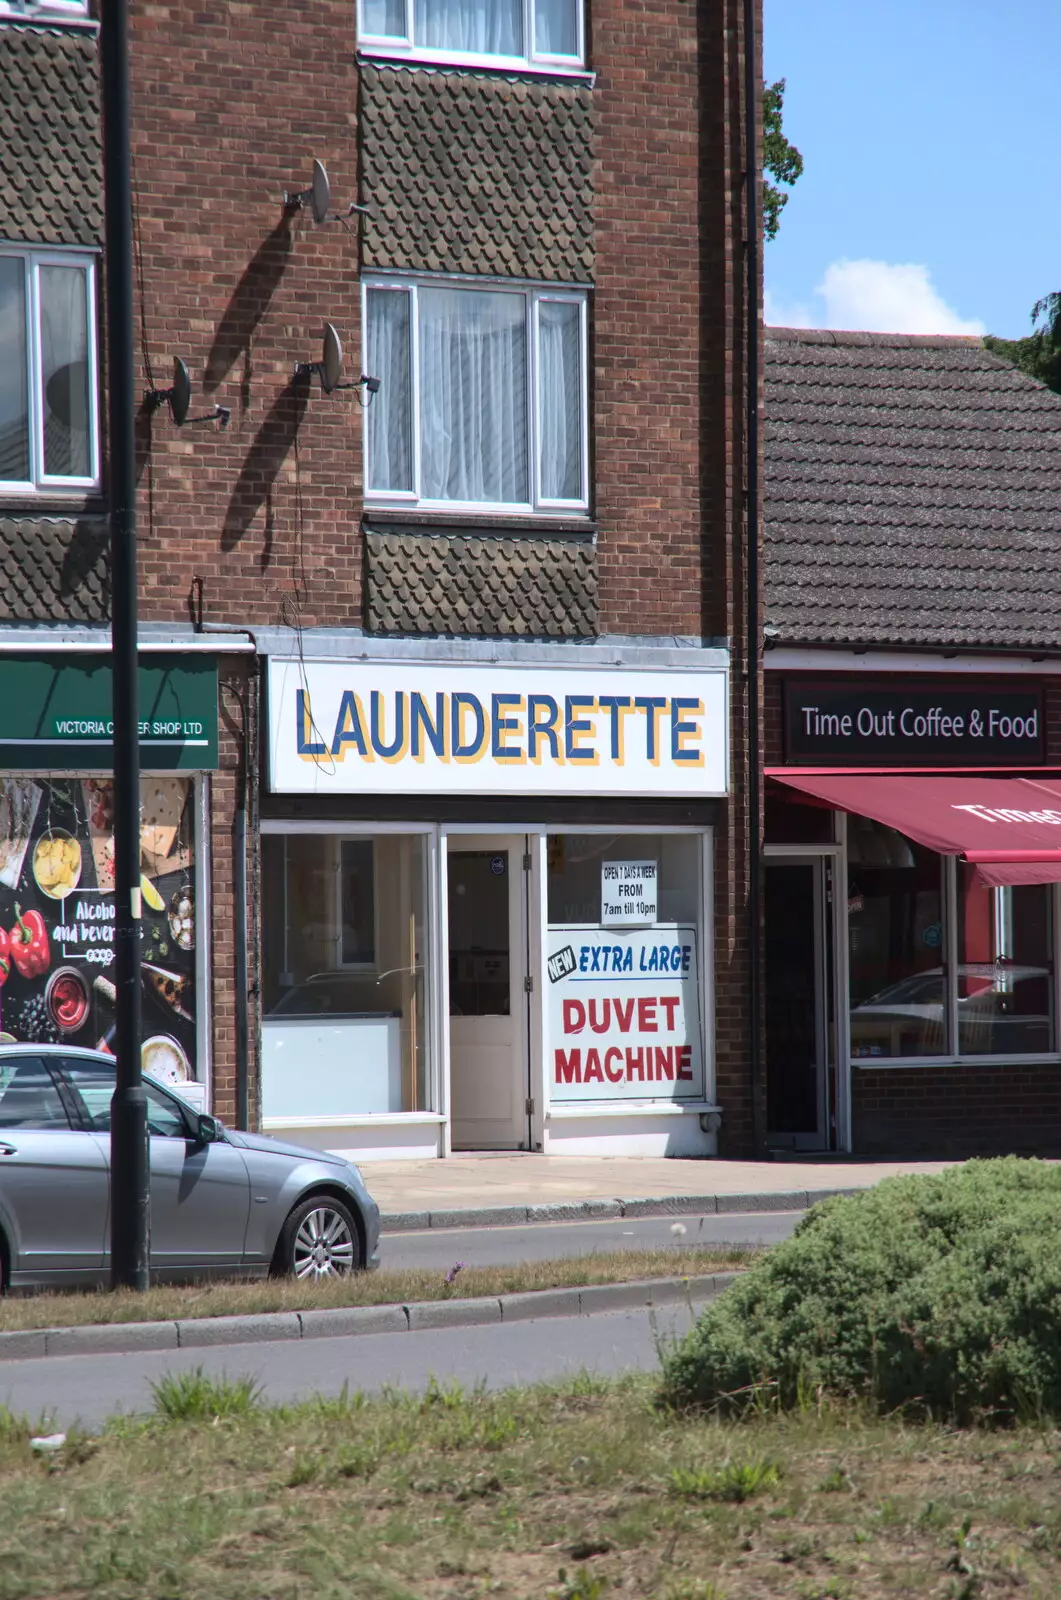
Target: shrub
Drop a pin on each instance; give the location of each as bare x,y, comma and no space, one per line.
937,1296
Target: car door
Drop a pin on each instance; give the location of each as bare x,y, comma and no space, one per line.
54,1191
200,1193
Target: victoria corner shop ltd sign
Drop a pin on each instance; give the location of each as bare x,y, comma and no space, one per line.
452,729
56,713
906,726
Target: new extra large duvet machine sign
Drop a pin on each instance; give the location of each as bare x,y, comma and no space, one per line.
455,729
623,1014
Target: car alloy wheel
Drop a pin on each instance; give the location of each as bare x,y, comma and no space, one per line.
324,1246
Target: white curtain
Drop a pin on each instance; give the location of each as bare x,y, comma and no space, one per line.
560,379
14,401
384,19
64,371
473,396
389,411
556,27
487,27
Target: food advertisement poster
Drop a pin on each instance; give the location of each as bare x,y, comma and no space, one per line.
623,1013
57,916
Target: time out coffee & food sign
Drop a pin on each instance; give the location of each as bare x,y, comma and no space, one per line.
911,726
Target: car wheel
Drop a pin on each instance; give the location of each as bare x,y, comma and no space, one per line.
319,1240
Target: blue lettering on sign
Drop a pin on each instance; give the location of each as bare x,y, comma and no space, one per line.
671,958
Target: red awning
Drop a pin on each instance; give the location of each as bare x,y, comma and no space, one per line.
1008,828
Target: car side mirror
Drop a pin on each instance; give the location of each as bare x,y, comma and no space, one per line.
210,1130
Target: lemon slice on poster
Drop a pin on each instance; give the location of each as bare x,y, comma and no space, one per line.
151,894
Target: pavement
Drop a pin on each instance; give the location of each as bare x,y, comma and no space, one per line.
492,1188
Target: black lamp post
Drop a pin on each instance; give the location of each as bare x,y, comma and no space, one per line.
130,1163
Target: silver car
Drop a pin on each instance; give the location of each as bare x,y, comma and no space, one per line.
223,1204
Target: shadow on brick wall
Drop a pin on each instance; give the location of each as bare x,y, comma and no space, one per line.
255,486
246,309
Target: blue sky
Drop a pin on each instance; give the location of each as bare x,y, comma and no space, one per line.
931,132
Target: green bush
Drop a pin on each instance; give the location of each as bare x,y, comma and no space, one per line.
935,1296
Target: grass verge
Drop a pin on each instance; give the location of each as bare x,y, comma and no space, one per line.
584,1491
167,1303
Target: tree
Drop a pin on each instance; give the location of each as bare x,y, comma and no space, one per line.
781,160
1039,355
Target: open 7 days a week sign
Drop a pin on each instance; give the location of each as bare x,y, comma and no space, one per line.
623,1013
338,727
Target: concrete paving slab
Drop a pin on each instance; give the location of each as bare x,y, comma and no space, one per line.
116,1339
199,1333
342,1320
453,1313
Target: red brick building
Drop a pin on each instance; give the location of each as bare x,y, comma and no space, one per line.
477,812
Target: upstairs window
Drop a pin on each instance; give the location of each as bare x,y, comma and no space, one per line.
482,402
47,10
516,33
48,420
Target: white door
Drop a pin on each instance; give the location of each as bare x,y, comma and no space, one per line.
487,997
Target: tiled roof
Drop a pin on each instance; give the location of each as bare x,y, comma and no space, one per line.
912,494
477,172
51,179
522,587
54,569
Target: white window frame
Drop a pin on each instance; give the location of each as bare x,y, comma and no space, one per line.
533,296
406,45
39,481
48,10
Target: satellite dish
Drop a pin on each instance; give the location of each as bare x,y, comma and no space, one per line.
332,364
180,396
320,193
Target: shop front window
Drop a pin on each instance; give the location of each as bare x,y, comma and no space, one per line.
57,916
1005,968
624,1008
344,931
895,929
941,964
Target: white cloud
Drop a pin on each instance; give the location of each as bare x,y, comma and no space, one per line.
875,297
786,313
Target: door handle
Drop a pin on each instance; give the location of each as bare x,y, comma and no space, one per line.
8,1149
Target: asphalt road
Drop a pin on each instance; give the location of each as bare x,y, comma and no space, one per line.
499,1247
56,1391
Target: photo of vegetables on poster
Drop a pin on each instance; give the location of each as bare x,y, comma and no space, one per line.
57,916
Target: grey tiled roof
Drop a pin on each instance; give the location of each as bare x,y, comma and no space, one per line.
522,587
912,494
477,172
54,569
51,180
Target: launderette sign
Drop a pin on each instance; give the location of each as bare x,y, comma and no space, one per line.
452,729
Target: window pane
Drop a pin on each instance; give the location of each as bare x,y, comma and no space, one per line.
479,957
28,1097
359,903
559,324
390,434
385,18
14,402
345,1031
895,921
65,374
1005,967
556,27
622,1003
473,396
486,27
